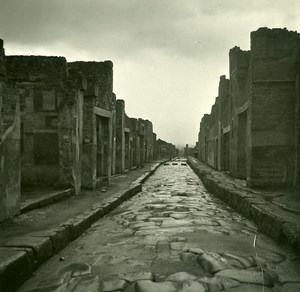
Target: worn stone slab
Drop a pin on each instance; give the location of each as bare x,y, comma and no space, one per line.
60,236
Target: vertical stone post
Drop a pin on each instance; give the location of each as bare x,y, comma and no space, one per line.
120,136
110,150
113,125
89,147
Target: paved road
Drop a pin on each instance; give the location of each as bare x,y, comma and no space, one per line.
173,236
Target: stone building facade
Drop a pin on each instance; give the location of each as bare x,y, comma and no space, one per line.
51,120
253,128
62,126
134,138
99,106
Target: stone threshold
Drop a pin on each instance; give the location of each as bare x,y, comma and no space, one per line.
45,200
21,255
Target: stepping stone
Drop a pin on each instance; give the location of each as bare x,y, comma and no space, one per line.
181,277
246,276
149,286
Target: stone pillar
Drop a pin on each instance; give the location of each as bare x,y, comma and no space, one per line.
120,136
274,62
89,147
70,134
113,125
297,122
110,150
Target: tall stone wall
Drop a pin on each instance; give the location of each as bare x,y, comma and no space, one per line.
10,166
40,82
99,127
274,58
256,120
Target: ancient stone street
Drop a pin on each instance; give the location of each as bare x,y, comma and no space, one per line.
173,236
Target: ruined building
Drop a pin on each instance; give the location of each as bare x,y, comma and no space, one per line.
61,126
253,128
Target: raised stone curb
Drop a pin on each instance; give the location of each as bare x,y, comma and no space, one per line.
250,204
46,200
22,255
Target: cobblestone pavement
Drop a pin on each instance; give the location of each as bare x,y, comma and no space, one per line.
173,236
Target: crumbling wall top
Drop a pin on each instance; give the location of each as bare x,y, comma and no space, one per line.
36,68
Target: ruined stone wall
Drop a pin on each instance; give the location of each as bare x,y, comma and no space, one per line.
99,127
101,85
274,58
40,82
257,120
165,149
9,144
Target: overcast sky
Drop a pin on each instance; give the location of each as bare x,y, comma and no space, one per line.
168,55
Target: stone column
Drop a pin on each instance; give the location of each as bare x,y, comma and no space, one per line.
120,136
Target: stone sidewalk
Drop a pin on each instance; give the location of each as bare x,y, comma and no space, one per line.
276,213
31,238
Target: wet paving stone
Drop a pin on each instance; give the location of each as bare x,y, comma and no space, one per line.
173,236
